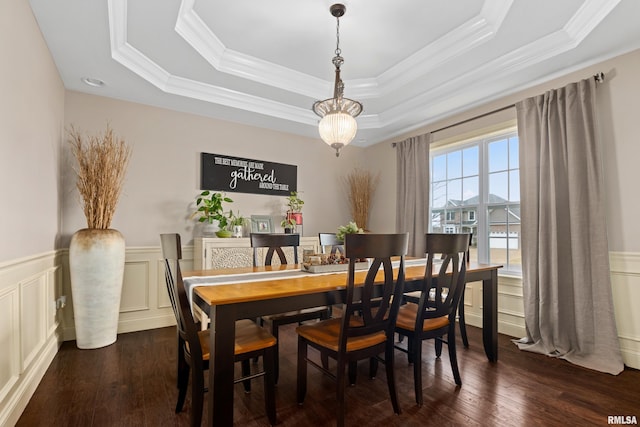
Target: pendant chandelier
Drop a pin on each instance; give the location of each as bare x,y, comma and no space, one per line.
337,125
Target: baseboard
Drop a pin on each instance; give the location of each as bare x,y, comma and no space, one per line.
133,325
506,328
630,349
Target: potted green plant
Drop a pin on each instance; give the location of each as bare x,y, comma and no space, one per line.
289,224
350,228
210,209
294,211
236,224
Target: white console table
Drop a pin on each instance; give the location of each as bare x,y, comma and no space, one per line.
215,252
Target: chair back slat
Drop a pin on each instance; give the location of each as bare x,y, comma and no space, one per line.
274,242
441,292
330,239
376,309
187,327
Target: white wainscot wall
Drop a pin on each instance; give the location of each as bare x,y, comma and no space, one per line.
29,334
510,306
144,303
625,283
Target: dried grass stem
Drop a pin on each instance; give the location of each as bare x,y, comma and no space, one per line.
360,186
101,167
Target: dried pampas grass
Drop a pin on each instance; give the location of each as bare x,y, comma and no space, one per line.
101,166
360,186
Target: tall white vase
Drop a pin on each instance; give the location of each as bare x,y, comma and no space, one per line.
96,264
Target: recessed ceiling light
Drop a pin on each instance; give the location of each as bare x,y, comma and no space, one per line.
92,82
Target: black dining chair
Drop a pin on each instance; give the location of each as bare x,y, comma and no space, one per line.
275,244
434,316
462,324
366,328
251,341
330,240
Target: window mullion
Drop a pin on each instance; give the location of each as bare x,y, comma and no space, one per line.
483,221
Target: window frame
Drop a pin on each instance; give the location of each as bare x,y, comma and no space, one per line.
481,210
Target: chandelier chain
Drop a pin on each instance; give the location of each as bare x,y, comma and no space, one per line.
338,51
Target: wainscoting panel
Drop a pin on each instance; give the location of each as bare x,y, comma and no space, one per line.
142,290
135,287
28,329
625,284
9,339
510,305
33,317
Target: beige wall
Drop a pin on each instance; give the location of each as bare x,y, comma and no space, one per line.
31,120
164,174
618,106
31,127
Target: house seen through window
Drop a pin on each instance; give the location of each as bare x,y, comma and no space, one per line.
475,188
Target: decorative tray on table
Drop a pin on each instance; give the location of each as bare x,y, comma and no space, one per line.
325,263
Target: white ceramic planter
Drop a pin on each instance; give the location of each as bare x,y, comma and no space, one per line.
96,265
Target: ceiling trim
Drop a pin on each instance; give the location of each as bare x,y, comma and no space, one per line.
430,103
143,66
196,33
472,33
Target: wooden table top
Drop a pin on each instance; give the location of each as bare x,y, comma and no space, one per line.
290,286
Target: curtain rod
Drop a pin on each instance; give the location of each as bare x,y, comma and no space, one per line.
598,77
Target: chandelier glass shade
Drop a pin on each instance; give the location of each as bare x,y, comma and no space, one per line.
338,128
338,125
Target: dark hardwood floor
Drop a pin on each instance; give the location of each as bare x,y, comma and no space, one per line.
132,383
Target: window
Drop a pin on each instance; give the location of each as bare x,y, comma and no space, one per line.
475,188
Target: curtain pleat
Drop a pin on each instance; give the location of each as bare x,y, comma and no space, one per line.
565,257
412,209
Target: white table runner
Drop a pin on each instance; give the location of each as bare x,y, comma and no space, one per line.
226,279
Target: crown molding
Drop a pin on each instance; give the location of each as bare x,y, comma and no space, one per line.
429,103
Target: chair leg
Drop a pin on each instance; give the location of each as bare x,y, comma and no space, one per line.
183,384
417,369
451,344
438,344
246,371
302,370
180,359
410,350
353,372
462,323
324,359
183,375
391,379
268,360
340,390
197,397
276,369
373,367
259,322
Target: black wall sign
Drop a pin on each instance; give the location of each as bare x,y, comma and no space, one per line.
234,174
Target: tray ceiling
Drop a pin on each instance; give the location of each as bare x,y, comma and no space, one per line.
265,63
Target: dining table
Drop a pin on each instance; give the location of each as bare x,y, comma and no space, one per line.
229,294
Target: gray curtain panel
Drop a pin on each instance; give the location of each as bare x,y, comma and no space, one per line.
565,257
412,208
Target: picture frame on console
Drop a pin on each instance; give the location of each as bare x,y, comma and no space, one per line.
261,224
